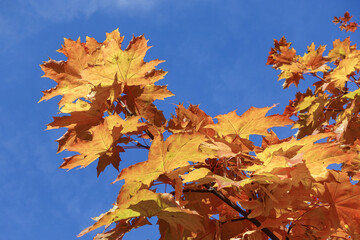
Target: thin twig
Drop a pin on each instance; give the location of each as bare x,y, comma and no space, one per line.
234,220
141,145
123,105
315,75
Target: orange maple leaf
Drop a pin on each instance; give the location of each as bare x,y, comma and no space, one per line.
190,120
345,23
102,142
82,116
93,65
314,60
281,53
139,100
343,198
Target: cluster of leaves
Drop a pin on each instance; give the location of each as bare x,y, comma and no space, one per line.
224,185
345,23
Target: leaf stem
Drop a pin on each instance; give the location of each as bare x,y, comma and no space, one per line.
140,145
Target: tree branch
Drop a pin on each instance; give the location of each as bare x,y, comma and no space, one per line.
241,211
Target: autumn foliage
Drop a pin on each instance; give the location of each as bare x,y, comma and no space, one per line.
223,185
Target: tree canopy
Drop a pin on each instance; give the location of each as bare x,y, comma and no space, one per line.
222,184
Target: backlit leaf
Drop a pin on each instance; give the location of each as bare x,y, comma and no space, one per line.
253,121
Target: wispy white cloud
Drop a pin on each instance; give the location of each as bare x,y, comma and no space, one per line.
62,10
54,10
20,19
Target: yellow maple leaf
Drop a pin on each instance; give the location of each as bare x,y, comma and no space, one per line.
341,49
125,66
279,155
339,76
314,60
253,121
147,203
319,156
176,152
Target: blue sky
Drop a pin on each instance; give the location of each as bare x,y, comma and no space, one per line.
215,53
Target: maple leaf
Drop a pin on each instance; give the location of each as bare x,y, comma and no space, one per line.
102,143
82,115
69,85
292,73
122,227
236,153
341,49
343,198
148,204
319,156
253,121
67,74
206,203
284,58
176,152
110,157
339,76
351,133
127,67
318,224
345,23
345,127
172,231
199,174
314,59
235,229
190,120
265,192
150,93
279,155
139,100
281,53
93,65
271,139
313,119
219,148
